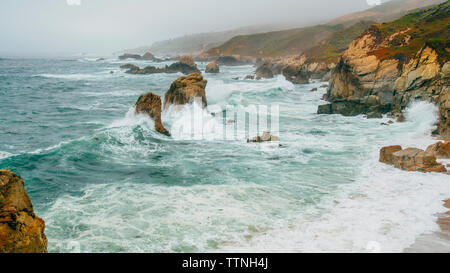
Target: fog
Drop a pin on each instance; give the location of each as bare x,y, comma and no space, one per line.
62,27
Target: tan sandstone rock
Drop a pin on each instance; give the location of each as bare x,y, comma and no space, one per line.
185,89
440,149
212,67
21,231
150,104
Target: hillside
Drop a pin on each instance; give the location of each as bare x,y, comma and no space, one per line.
196,43
330,49
388,11
393,64
297,41
274,44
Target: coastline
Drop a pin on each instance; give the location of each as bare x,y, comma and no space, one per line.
437,242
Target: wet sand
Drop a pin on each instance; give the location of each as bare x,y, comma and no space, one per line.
438,242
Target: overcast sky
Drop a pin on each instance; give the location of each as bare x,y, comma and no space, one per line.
33,27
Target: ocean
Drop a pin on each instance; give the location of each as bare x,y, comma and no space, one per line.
104,181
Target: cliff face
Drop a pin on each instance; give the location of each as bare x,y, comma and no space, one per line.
21,231
392,64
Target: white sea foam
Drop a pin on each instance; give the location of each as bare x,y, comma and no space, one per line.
4,155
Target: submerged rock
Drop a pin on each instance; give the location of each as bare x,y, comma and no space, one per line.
21,231
212,67
265,137
411,159
150,104
185,89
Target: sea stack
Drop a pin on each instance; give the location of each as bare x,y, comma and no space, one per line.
212,67
21,231
185,65
185,89
150,104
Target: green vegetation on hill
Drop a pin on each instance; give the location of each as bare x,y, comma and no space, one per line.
275,44
427,27
388,11
326,41
330,49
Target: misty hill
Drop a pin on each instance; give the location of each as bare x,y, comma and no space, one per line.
388,11
196,43
297,41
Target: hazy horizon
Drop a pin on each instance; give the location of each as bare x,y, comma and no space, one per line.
62,27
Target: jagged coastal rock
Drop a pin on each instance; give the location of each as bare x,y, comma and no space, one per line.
185,65
392,64
150,104
411,159
440,149
296,69
212,67
21,231
185,89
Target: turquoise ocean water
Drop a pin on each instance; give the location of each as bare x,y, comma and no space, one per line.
105,181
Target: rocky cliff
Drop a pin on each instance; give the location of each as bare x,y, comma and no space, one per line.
21,231
392,64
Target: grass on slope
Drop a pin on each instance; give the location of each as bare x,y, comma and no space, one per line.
427,27
330,49
275,44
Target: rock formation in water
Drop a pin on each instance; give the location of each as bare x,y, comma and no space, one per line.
146,57
411,159
395,63
21,231
265,137
185,89
295,69
212,67
185,65
150,104
130,56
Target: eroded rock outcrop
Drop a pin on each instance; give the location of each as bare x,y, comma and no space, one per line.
21,231
411,159
440,149
185,65
393,64
150,104
212,67
296,69
185,90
